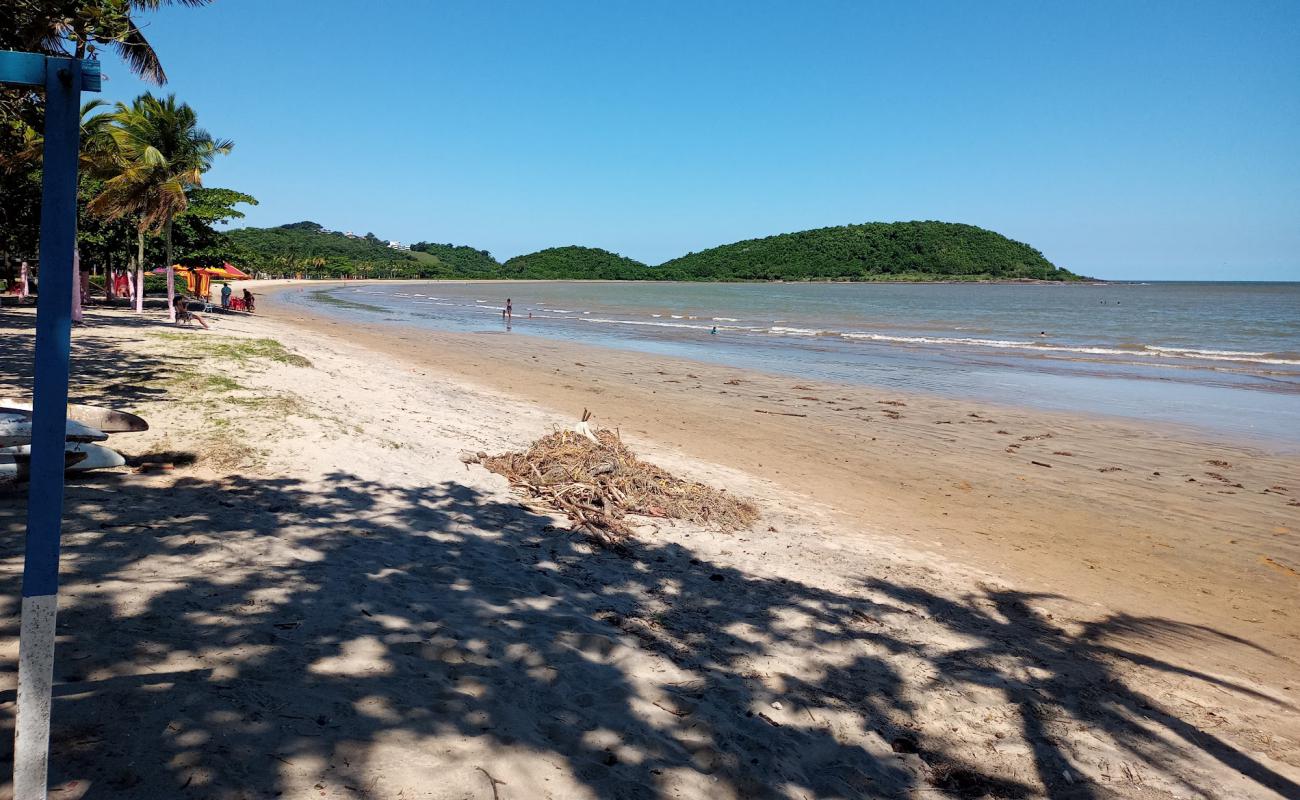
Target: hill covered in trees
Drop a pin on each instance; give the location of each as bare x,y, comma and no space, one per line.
461,260
576,263
874,251
306,247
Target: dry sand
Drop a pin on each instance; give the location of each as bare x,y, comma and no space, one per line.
328,603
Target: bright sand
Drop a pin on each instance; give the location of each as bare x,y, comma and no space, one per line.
329,603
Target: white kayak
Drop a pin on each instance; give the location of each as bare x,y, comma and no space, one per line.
107,420
14,466
16,428
92,456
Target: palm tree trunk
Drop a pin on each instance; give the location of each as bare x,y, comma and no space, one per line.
171,274
139,272
167,241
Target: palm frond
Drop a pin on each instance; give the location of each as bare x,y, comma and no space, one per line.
139,55
154,5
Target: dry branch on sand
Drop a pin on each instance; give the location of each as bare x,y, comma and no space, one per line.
597,481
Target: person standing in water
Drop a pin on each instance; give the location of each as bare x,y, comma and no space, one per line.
508,312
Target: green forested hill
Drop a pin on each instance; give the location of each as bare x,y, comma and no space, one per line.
575,263
872,251
460,260
305,247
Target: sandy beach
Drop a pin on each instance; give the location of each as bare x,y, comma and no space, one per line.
319,598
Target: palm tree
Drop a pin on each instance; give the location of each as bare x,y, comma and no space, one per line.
48,26
158,152
95,143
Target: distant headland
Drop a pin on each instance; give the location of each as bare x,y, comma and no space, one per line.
873,251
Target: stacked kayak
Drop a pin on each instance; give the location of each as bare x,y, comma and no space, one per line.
86,425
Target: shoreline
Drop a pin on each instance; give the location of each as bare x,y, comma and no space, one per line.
330,583
1127,513
1256,443
1210,387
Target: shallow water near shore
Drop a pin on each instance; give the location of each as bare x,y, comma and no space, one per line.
1221,357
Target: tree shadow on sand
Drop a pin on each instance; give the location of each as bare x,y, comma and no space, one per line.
289,636
101,369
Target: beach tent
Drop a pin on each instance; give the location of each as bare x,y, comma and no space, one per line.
228,271
198,280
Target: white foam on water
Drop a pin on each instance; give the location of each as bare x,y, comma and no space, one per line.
685,325
1150,351
796,331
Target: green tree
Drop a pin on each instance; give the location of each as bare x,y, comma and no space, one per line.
159,152
77,27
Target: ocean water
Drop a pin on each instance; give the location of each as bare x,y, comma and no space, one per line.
1222,357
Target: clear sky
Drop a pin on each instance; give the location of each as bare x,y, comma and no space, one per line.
1123,139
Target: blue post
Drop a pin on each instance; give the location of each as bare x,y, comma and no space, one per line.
63,84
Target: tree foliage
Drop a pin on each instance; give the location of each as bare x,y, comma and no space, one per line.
460,260
76,27
305,248
872,251
575,263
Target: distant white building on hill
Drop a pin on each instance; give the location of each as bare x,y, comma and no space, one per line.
396,245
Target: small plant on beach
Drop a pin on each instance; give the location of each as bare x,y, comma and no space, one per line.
238,351
598,481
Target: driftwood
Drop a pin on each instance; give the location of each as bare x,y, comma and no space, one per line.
596,481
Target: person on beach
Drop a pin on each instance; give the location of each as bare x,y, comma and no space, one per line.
508,312
225,295
183,314
248,300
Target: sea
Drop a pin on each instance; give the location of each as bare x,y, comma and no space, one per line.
1223,358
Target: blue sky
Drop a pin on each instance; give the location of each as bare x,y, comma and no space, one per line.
1123,139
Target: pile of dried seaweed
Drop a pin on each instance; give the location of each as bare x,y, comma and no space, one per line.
597,481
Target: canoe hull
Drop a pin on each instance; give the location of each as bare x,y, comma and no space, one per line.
16,429
82,457
102,419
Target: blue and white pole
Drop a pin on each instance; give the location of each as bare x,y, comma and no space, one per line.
63,80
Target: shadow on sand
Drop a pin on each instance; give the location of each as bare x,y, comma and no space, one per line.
330,620
235,638
101,370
